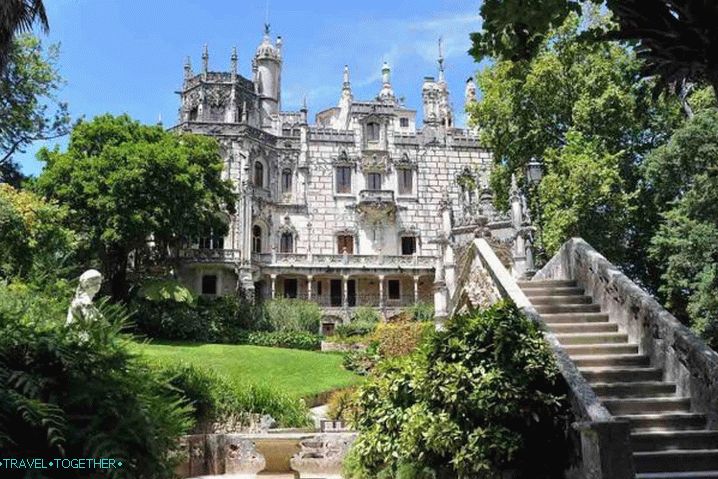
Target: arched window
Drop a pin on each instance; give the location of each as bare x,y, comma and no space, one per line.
372,131
259,174
286,243
286,180
257,239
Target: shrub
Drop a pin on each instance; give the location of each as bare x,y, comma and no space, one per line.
363,322
362,361
219,404
284,339
421,312
78,391
342,406
482,397
400,339
293,315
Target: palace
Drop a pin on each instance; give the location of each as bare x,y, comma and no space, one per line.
357,209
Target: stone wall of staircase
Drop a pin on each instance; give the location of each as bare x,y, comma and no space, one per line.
685,359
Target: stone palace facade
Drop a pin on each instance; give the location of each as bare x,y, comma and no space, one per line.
355,209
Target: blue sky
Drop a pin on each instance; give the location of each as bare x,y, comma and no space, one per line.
126,56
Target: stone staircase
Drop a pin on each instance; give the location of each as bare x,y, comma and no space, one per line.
669,441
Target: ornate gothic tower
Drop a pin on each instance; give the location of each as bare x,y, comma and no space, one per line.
267,66
437,107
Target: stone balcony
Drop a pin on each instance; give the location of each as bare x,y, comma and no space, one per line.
376,204
309,260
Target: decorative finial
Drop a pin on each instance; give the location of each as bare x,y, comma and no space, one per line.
386,74
233,60
188,68
266,29
441,59
304,103
159,119
205,59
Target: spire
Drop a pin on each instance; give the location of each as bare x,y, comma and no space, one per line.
346,85
304,110
233,61
441,61
188,68
205,59
386,92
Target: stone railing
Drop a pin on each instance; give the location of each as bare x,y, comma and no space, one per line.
371,300
685,358
210,255
310,260
605,441
376,197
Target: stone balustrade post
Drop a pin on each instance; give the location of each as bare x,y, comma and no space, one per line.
274,285
381,291
345,292
310,278
274,254
416,289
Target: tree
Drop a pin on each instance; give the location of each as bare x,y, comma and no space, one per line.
481,397
127,184
17,16
682,179
591,90
676,40
29,108
34,241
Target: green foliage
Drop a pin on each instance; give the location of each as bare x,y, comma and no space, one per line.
572,102
293,315
29,108
584,195
401,338
421,312
78,391
342,406
481,397
682,179
125,182
363,322
362,361
166,289
283,339
33,240
217,401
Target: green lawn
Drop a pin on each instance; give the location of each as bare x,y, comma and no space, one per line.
302,373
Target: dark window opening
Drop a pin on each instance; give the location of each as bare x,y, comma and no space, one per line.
404,122
344,179
209,284
286,243
408,245
286,181
259,174
394,289
406,181
290,288
193,114
319,288
373,181
345,242
372,131
256,239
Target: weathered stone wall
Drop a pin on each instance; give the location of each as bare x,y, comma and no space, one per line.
684,357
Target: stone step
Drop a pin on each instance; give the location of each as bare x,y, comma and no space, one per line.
679,475
634,389
567,308
561,318
672,440
618,406
611,360
568,291
676,461
536,300
569,328
592,338
621,374
600,349
547,283
662,422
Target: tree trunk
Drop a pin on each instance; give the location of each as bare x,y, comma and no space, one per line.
116,272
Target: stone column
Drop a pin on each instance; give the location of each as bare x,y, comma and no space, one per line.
310,278
416,289
274,285
381,291
345,292
449,267
440,295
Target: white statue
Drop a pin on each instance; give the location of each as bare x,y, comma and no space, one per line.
81,307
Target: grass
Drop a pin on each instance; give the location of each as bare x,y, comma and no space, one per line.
300,373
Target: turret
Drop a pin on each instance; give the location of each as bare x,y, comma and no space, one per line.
435,95
268,65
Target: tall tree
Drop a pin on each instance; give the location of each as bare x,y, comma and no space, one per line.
677,40
29,108
577,103
127,183
18,16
